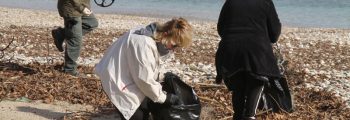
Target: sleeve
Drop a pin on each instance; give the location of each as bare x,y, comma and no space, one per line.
273,22
142,63
221,21
79,5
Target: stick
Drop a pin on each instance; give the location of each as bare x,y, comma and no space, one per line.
3,50
210,85
208,99
225,118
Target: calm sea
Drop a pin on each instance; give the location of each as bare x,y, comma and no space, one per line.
296,13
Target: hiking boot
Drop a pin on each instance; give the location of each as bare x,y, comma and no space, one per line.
58,38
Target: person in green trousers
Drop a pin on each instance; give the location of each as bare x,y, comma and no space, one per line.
78,21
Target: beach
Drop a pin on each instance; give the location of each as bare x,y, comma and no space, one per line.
316,63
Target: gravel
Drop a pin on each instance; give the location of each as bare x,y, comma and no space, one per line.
320,56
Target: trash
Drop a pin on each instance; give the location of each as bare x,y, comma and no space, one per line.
23,99
189,110
277,97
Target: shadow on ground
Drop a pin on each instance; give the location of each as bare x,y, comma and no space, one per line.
42,112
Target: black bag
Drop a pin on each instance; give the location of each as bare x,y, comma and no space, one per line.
276,97
189,110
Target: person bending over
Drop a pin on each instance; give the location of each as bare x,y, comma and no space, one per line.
129,70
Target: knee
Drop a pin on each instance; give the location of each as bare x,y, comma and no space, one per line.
74,42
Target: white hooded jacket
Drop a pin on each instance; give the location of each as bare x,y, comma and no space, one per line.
129,72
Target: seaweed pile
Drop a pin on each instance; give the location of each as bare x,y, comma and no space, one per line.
43,79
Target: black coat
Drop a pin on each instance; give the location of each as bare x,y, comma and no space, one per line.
247,29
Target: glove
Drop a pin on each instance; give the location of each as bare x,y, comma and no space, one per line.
172,99
87,11
218,79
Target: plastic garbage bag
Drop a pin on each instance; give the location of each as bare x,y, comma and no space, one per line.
277,97
190,108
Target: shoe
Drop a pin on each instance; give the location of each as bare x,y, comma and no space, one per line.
249,118
76,74
58,38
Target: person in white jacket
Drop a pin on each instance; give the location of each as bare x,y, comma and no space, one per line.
129,70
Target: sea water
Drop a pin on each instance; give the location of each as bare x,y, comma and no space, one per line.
295,13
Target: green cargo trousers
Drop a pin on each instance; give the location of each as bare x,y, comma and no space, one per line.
74,30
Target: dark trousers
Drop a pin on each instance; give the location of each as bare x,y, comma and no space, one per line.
142,113
74,30
246,95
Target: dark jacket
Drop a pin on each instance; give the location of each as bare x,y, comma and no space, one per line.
72,8
247,29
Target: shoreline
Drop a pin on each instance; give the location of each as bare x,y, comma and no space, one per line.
53,15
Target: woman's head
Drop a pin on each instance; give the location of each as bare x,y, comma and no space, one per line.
176,32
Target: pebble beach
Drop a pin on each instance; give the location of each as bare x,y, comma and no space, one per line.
318,59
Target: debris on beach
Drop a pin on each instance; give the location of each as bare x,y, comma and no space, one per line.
315,71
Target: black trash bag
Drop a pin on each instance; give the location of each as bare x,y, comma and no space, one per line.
277,97
190,107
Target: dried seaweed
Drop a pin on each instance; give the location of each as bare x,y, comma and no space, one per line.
44,81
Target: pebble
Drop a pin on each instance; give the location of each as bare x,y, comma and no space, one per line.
292,41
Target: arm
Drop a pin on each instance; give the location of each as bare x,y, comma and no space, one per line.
273,22
142,64
221,21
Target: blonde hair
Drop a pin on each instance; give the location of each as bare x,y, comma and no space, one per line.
178,31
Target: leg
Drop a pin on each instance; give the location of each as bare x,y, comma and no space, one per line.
238,101
58,37
73,34
120,116
89,23
238,96
253,93
138,115
142,113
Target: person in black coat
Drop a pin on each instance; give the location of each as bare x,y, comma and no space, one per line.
244,58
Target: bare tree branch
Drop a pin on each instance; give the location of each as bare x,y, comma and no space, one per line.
2,51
